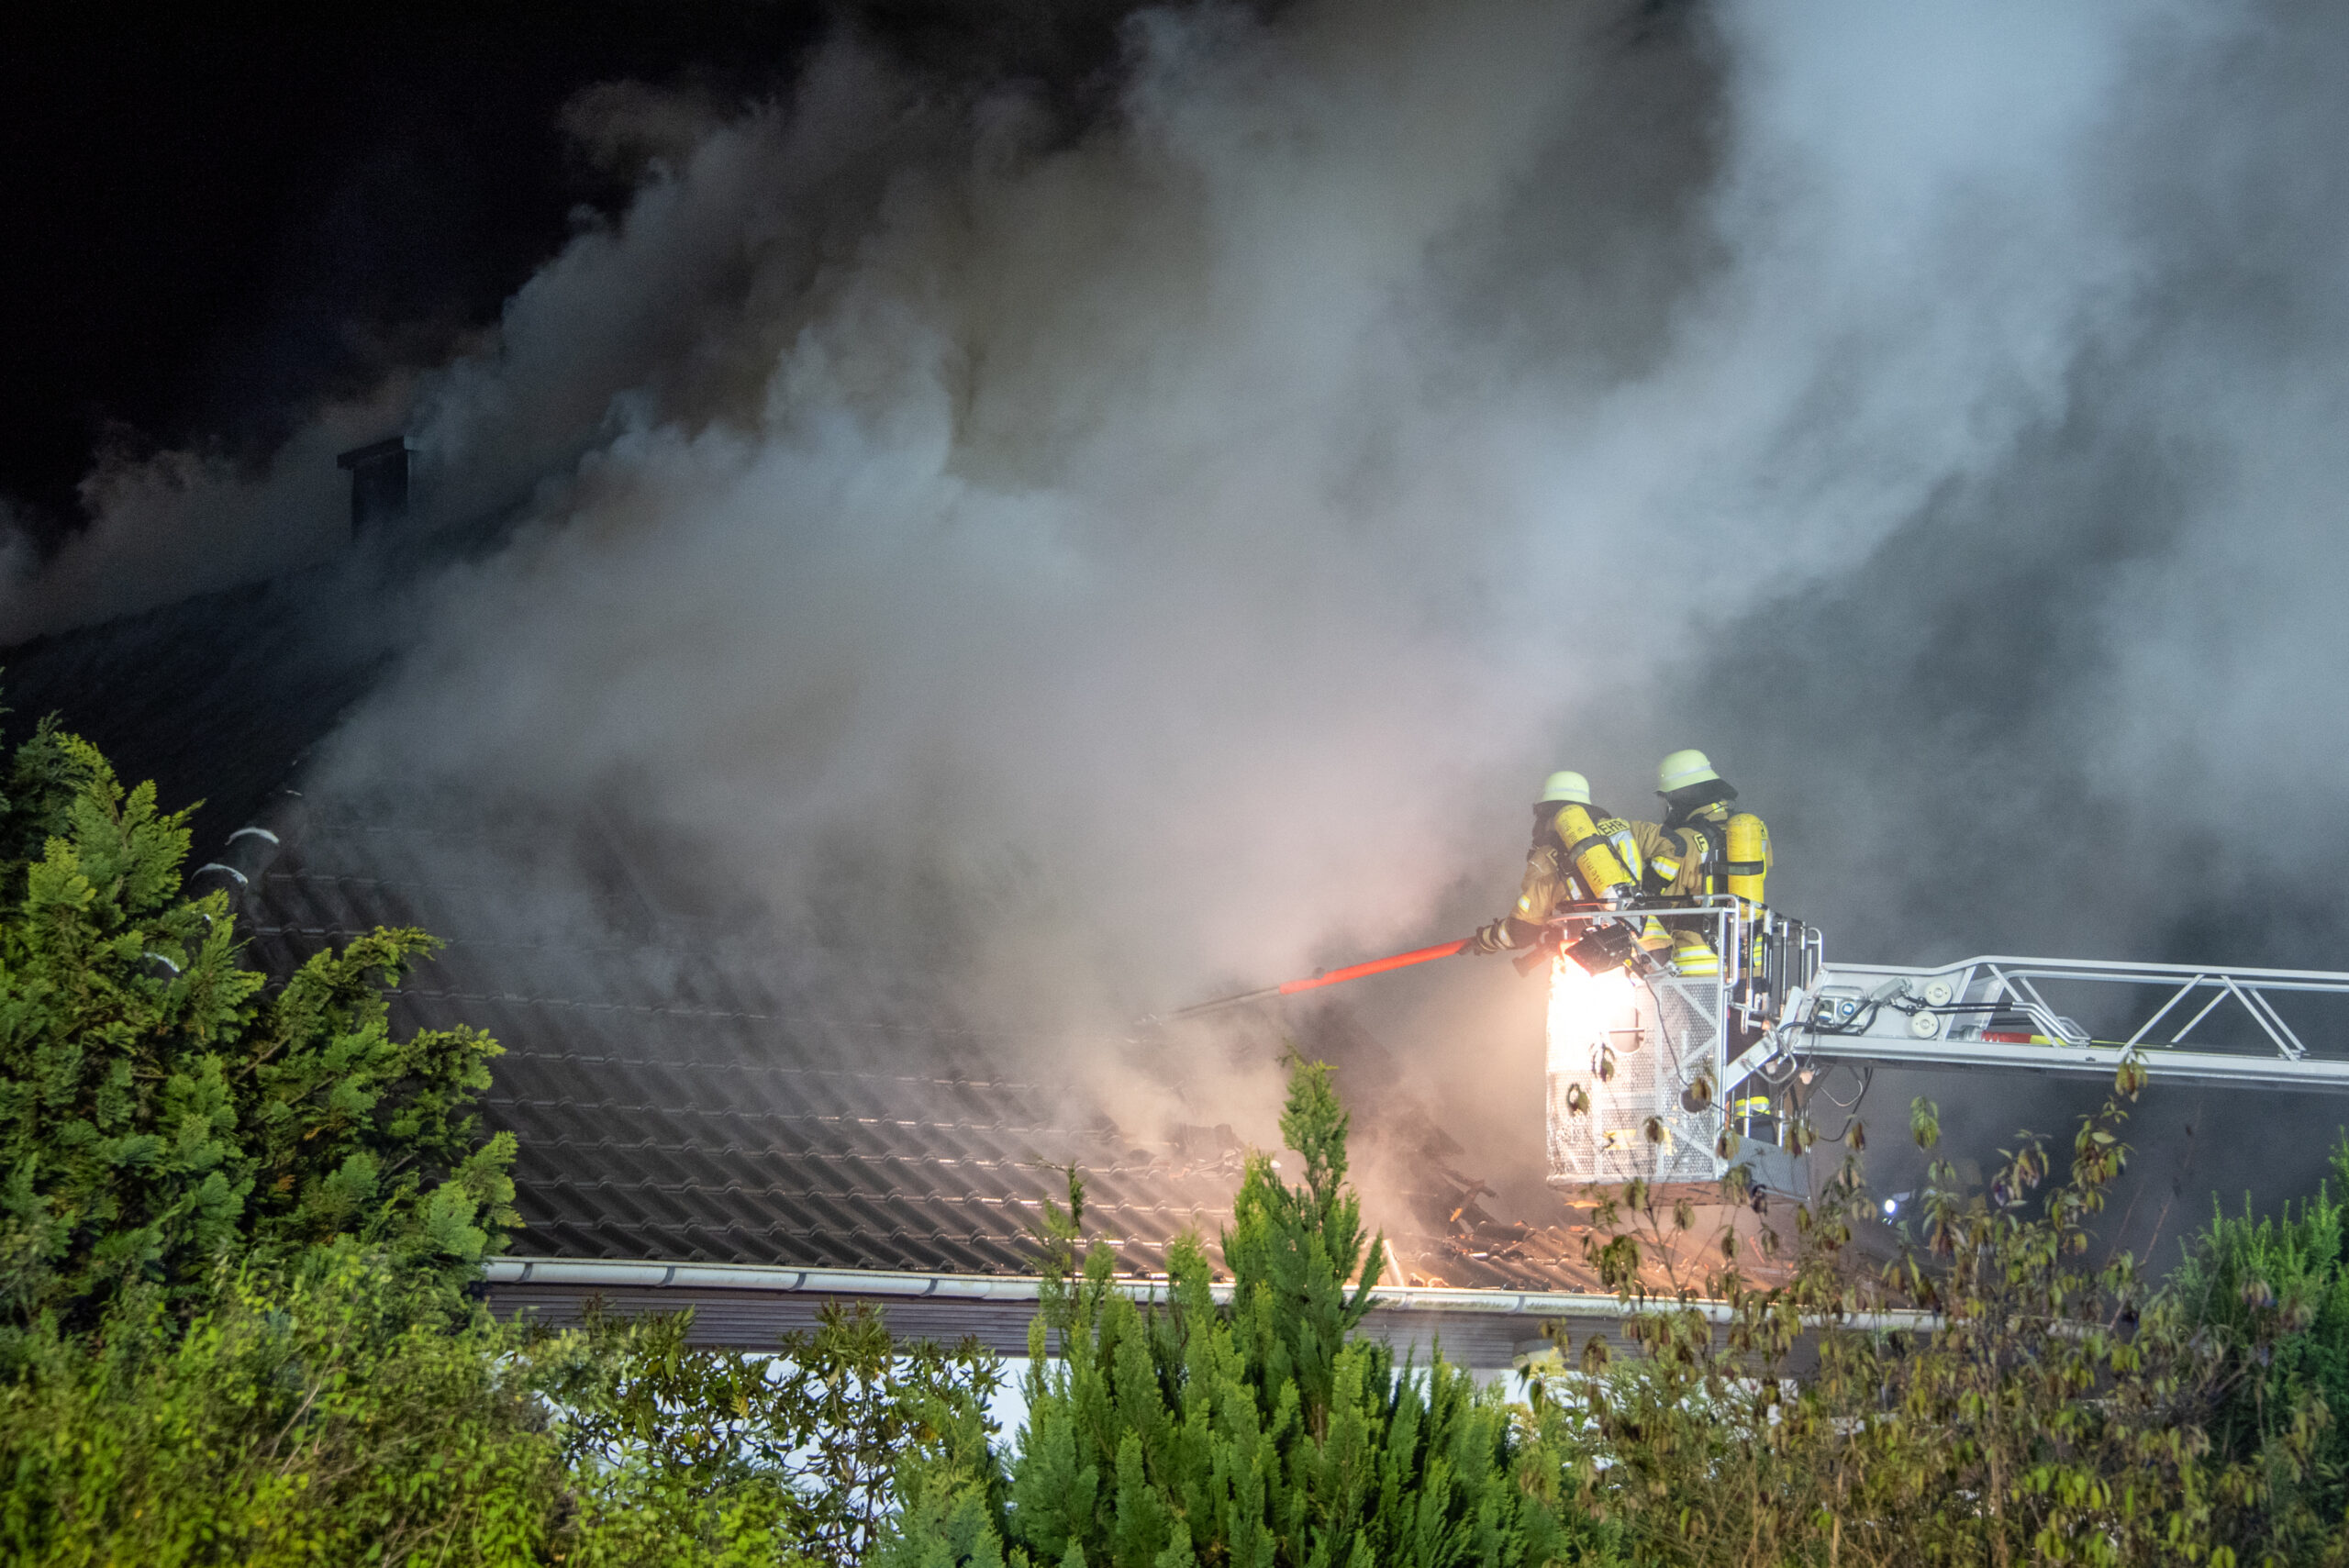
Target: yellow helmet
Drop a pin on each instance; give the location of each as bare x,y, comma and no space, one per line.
1682,768
1567,785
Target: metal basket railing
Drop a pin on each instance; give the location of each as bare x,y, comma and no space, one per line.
1653,1077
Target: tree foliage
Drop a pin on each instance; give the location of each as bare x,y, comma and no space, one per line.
159,1111
1268,1432
2036,1409
2272,1295
352,1410
348,1412
797,1451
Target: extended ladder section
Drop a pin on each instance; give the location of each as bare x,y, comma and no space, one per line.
2206,1023
1677,1076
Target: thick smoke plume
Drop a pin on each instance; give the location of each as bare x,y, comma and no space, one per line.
1098,560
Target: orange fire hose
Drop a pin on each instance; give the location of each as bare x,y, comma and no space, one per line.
1326,977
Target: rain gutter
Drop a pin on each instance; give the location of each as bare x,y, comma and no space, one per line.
886,1283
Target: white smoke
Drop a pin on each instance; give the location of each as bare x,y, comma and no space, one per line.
1166,549
2081,697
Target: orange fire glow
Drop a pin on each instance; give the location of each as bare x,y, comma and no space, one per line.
1583,1009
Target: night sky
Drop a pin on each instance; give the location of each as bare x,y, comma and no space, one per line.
218,216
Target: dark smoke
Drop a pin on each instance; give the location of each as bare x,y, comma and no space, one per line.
1138,537
2083,699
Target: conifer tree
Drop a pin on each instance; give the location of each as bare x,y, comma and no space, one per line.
2272,1293
1267,1433
159,1114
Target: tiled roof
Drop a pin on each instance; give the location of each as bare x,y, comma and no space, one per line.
673,1096
217,698
671,1101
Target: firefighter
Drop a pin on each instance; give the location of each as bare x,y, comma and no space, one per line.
1700,846
1580,854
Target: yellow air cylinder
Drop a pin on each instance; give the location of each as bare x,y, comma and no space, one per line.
1592,854
1749,855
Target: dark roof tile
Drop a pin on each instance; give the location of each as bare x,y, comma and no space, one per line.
672,1100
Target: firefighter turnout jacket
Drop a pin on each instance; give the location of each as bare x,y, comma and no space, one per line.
1580,854
1711,850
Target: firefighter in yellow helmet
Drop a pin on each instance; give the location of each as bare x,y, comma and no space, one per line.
1700,846
1580,854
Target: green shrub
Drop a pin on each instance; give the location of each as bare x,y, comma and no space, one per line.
1266,1433
754,1458
2273,1294
354,1413
2047,1412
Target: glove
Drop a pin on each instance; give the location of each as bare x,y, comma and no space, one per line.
1493,937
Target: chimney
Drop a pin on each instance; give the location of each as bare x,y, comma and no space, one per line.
378,481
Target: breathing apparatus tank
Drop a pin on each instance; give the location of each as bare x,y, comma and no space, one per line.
1748,859
1590,850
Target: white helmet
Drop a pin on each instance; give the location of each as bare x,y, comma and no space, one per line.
1682,768
1566,785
